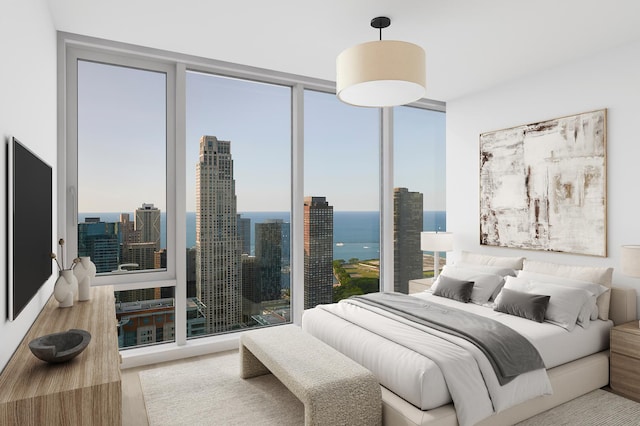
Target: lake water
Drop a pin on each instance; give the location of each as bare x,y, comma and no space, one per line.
357,233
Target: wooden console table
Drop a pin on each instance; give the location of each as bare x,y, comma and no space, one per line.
83,391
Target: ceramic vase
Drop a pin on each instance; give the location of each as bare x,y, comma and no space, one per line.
65,288
84,271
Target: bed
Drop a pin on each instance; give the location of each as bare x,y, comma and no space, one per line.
420,388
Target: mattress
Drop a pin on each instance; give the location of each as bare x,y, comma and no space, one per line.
556,345
415,377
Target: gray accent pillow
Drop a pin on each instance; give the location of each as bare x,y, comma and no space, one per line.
455,289
525,305
483,284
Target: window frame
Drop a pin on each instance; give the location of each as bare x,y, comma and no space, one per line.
161,278
224,72
72,47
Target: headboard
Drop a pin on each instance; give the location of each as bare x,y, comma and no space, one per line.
622,307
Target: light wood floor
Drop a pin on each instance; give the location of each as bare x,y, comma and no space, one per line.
134,412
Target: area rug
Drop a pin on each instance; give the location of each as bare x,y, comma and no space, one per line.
597,408
211,392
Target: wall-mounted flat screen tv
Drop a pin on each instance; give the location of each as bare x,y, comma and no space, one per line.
29,215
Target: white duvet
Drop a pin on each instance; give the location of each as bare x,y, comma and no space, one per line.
432,369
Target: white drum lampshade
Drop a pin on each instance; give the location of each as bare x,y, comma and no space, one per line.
381,73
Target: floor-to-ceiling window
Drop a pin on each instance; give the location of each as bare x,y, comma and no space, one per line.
121,190
122,174
419,189
238,180
207,157
342,193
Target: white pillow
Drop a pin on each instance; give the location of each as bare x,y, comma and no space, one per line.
483,284
566,300
595,289
565,303
484,259
503,271
587,273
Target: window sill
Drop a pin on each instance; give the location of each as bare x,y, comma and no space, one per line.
171,351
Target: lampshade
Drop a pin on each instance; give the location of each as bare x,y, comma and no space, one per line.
381,73
436,241
630,260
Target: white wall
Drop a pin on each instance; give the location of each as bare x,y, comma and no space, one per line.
28,112
609,80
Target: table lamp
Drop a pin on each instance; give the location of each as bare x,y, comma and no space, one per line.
630,260
436,242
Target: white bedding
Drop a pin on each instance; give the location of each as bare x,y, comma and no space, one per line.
556,345
417,378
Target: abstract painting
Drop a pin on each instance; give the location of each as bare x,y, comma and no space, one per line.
543,185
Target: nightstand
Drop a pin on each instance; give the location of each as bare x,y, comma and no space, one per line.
625,360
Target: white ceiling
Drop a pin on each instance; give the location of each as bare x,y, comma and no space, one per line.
470,44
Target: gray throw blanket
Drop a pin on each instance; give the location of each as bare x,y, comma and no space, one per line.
509,353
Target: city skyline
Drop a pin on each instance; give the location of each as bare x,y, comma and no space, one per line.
233,289
350,227
123,161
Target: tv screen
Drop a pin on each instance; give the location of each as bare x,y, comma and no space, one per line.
29,181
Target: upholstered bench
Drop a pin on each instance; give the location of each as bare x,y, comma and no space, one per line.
334,389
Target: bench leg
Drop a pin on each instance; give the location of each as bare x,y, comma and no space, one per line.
250,366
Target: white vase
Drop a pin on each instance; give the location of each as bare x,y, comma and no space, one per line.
84,271
65,288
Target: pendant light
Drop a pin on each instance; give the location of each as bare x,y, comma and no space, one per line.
381,73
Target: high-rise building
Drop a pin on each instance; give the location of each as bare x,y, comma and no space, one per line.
318,251
191,272
269,258
100,241
147,222
152,320
128,235
286,255
160,259
140,254
251,292
160,262
407,225
244,232
146,321
138,295
128,232
218,247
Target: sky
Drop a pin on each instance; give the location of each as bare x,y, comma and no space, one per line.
122,155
